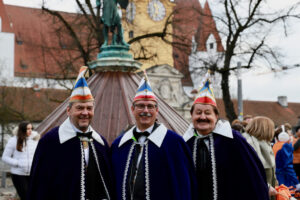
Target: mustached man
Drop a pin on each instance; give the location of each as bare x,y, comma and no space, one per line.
226,166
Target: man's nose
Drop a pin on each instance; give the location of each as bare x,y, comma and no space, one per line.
146,109
202,116
85,111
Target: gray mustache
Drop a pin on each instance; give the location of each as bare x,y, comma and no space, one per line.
145,114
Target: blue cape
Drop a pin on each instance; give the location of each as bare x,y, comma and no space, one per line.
56,168
171,169
240,173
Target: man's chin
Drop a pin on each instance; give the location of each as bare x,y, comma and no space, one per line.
84,126
203,130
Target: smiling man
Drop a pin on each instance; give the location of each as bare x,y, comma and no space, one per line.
71,161
226,166
150,161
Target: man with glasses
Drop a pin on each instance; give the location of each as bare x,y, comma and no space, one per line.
150,161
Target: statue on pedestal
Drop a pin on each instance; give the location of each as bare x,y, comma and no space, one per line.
112,21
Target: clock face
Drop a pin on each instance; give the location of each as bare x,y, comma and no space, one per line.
156,10
130,11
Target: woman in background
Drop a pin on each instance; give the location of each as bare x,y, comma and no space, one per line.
18,153
259,133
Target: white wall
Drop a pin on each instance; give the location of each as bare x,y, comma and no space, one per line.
6,55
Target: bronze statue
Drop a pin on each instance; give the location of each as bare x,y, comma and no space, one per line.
112,21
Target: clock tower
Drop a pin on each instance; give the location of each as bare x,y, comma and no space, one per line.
149,17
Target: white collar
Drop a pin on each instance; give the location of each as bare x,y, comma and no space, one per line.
67,132
222,128
156,137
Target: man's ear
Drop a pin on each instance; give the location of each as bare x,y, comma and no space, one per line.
132,108
68,110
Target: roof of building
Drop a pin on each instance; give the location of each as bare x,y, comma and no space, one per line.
42,47
17,104
4,19
273,110
191,20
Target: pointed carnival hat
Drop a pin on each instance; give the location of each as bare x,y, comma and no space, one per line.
81,91
144,91
205,94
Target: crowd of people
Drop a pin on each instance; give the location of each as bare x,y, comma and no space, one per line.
277,148
213,160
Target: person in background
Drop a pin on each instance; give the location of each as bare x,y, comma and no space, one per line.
18,153
247,119
259,133
226,165
238,126
296,145
283,152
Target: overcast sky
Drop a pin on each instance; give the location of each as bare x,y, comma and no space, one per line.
256,85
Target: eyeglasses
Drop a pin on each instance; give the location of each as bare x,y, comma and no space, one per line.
143,106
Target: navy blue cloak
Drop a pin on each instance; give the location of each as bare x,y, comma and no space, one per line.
56,168
171,173
240,173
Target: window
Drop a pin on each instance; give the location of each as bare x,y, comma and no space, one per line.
23,65
19,40
131,34
0,24
211,45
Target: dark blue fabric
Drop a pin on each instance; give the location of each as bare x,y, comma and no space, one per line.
240,173
171,169
285,172
55,173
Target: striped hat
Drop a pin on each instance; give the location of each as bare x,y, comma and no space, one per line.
205,94
144,91
81,91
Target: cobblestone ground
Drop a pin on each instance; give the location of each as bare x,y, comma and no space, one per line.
9,192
